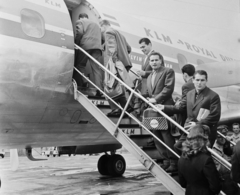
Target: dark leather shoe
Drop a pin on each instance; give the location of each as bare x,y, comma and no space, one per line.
99,94
112,112
172,168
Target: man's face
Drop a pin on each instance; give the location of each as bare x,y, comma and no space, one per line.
145,48
236,129
200,82
155,62
220,140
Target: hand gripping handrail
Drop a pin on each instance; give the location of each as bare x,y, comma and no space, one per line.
216,156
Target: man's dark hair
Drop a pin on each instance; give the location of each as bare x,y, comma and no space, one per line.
145,40
201,72
189,69
105,22
160,57
83,15
235,124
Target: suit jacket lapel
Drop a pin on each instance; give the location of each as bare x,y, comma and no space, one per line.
200,98
158,76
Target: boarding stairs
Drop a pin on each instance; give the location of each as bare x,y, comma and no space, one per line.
120,128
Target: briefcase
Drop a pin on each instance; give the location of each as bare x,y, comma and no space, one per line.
153,120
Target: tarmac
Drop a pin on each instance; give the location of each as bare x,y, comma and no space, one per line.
75,175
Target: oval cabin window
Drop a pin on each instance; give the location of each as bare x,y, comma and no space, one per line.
32,23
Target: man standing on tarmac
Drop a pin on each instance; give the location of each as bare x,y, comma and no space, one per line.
202,104
88,37
160,86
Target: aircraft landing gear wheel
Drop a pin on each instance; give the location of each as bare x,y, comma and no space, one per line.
103,164
116,165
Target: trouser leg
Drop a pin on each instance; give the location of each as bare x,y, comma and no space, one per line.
167,138
178,145
122,101
80,63
98,74
169,141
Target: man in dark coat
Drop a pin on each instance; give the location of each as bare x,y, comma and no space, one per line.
160,86
146,47
88,37
201,99
236,163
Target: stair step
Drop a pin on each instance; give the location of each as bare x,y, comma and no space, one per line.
141,140
131,129
99,102
97,98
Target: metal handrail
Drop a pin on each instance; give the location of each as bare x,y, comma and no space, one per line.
233,143
131,116
227,164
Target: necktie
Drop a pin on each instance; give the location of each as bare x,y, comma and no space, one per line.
196,97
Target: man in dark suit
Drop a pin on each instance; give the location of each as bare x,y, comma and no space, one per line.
146,47
178,109
160,86
88,37
205,98
235,171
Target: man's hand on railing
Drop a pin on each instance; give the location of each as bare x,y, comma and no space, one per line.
160,106
141,72
152,100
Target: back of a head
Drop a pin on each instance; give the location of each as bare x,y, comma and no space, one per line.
145,40
83,15
196,141
189,69
105,23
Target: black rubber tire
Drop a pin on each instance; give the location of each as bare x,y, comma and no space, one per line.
103,165
116,165
2,155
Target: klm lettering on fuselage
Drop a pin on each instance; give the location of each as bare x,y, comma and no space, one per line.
136,57
188,46
53,3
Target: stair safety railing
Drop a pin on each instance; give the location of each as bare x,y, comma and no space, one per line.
129,99
133,92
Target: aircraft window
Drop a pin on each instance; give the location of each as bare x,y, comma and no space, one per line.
32,23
